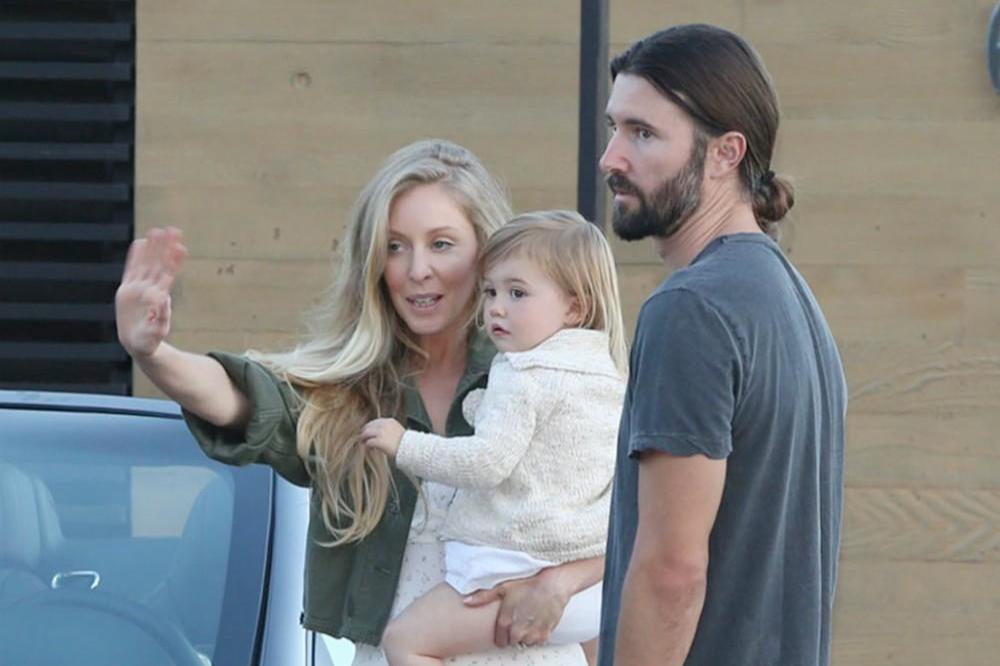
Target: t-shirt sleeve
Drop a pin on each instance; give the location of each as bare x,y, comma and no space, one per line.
270,435
686,376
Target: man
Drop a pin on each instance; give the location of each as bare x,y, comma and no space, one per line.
725,524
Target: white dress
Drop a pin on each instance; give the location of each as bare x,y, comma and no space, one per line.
423,568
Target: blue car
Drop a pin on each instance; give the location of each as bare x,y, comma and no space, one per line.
121,543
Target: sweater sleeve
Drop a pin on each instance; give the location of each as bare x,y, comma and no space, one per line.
512,406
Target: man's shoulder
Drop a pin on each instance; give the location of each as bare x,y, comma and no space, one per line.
735,275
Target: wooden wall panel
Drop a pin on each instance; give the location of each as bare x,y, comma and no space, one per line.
891,612
235,113
923,450
387,22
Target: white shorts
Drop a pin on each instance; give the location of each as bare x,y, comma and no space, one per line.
469,568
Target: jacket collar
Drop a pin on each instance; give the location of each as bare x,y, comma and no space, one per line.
574,349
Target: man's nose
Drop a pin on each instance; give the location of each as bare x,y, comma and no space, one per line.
612,159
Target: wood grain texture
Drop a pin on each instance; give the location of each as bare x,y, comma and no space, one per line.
873,302
923,377
923,450
916,613
981,316
373,21
248,295
890,23
922,525
636,19
866,157
237,114
234,222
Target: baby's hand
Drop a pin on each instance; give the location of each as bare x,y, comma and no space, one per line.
383,434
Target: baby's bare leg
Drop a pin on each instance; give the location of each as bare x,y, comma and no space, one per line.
436,626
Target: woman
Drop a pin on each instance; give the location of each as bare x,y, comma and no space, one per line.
395,337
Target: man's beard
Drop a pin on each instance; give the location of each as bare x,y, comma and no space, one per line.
670,205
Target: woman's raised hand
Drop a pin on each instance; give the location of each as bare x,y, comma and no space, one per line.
142,302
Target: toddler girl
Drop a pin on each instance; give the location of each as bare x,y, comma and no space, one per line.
534,481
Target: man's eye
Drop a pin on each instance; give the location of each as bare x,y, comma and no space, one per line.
643,133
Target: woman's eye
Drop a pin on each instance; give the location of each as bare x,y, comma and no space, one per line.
394,247
441,244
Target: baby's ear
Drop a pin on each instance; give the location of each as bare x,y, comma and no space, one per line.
576,313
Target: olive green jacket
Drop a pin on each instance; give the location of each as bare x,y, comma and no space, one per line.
349,590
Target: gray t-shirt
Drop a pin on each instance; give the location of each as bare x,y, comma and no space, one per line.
732,358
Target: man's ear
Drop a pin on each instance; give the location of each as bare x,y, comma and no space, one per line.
725,153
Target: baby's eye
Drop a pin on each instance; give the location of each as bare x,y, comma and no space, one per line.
489,292
518,293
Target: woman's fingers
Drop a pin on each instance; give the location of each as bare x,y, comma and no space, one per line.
172,254
135,260
501,630
482,597
142,302
152,255
157,257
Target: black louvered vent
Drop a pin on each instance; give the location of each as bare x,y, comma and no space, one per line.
67,99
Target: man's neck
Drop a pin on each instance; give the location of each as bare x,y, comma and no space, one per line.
721,216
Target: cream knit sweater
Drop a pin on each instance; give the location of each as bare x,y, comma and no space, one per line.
536,475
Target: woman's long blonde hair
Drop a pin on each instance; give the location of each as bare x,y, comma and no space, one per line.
575,254
349,369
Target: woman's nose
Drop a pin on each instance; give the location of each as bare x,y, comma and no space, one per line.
420,266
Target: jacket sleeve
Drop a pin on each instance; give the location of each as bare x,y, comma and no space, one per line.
512,406
270,435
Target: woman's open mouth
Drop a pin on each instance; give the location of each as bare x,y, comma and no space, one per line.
424,301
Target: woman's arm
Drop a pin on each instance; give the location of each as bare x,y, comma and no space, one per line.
530,608
142,314
198,383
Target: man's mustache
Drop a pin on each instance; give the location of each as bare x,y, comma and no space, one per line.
619,184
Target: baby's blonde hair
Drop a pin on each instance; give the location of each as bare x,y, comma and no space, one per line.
575,254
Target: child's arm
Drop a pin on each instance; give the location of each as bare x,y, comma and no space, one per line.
506,420
384,435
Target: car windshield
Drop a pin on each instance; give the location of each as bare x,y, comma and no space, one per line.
120,542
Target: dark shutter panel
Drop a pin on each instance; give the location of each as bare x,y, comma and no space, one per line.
67,101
